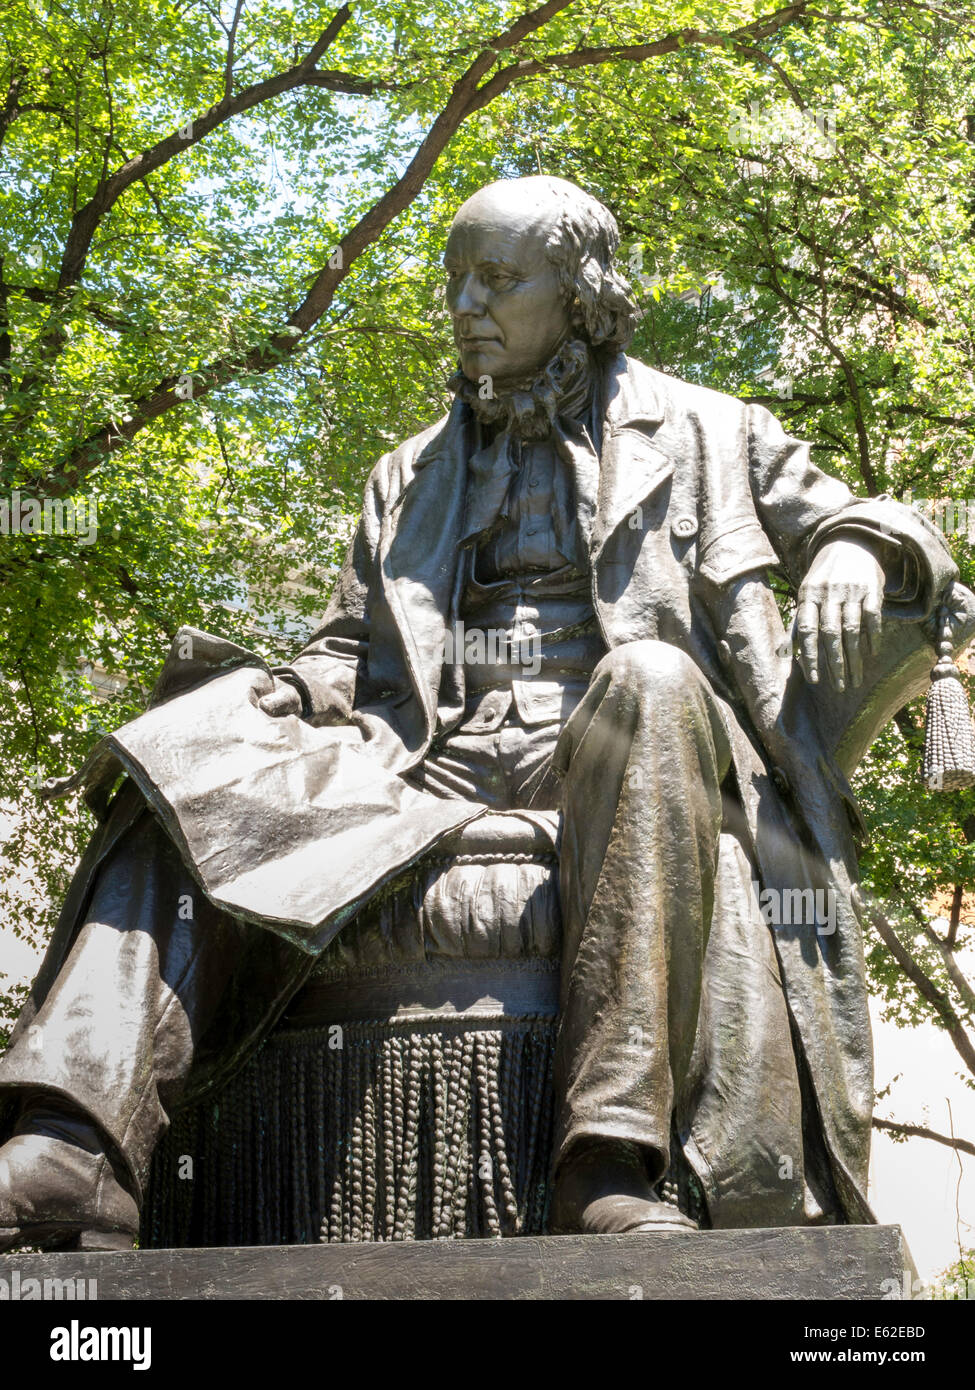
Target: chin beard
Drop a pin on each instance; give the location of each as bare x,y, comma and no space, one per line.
530,410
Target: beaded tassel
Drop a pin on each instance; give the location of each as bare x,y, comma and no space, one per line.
403,1133
949,745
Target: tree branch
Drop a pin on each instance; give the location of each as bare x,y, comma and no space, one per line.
110,189
9,110
468,95
925,986
955,920
6,344
106,317
283,343
636,52
951,964
228,84
921,1132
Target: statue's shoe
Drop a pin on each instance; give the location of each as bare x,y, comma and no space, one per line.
604,1189
57,1195
615,1214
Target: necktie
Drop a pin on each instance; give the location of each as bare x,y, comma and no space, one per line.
492,469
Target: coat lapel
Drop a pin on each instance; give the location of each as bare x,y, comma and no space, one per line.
419,550
632,462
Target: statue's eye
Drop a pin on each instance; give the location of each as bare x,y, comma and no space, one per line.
499,279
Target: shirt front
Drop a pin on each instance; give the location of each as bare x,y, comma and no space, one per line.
525,634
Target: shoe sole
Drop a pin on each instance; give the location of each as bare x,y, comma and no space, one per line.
660,1226
58,1238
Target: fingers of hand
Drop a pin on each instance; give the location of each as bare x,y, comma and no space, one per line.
807,630
844,621
852,638
872,621
831,634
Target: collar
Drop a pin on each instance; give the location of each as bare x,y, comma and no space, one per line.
562,389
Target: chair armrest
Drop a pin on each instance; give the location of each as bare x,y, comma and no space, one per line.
852,719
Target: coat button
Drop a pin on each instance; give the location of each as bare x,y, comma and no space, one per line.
684,527
781,781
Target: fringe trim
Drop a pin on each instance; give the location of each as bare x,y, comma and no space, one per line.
365,1132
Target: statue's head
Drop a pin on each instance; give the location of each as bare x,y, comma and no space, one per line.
529,266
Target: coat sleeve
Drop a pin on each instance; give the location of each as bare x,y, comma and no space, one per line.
801,508
332,665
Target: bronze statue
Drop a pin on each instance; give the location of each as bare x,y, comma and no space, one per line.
556,603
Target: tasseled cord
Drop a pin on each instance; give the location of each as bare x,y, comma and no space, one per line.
949,743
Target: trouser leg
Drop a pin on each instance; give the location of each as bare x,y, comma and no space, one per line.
643,758
120,1028
505,768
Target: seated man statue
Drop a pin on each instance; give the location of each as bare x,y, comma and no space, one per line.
557,600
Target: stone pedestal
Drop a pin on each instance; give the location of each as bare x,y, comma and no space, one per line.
841,1262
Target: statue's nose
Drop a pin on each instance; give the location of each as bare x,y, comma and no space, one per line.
468,297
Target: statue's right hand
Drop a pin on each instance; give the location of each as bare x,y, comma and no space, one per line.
283,699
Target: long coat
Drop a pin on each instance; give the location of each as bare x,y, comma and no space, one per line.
294,823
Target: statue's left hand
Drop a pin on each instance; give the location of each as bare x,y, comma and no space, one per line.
840,602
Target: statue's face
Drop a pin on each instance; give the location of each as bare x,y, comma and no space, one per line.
509,313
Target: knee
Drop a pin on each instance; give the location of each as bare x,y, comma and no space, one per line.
651,666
